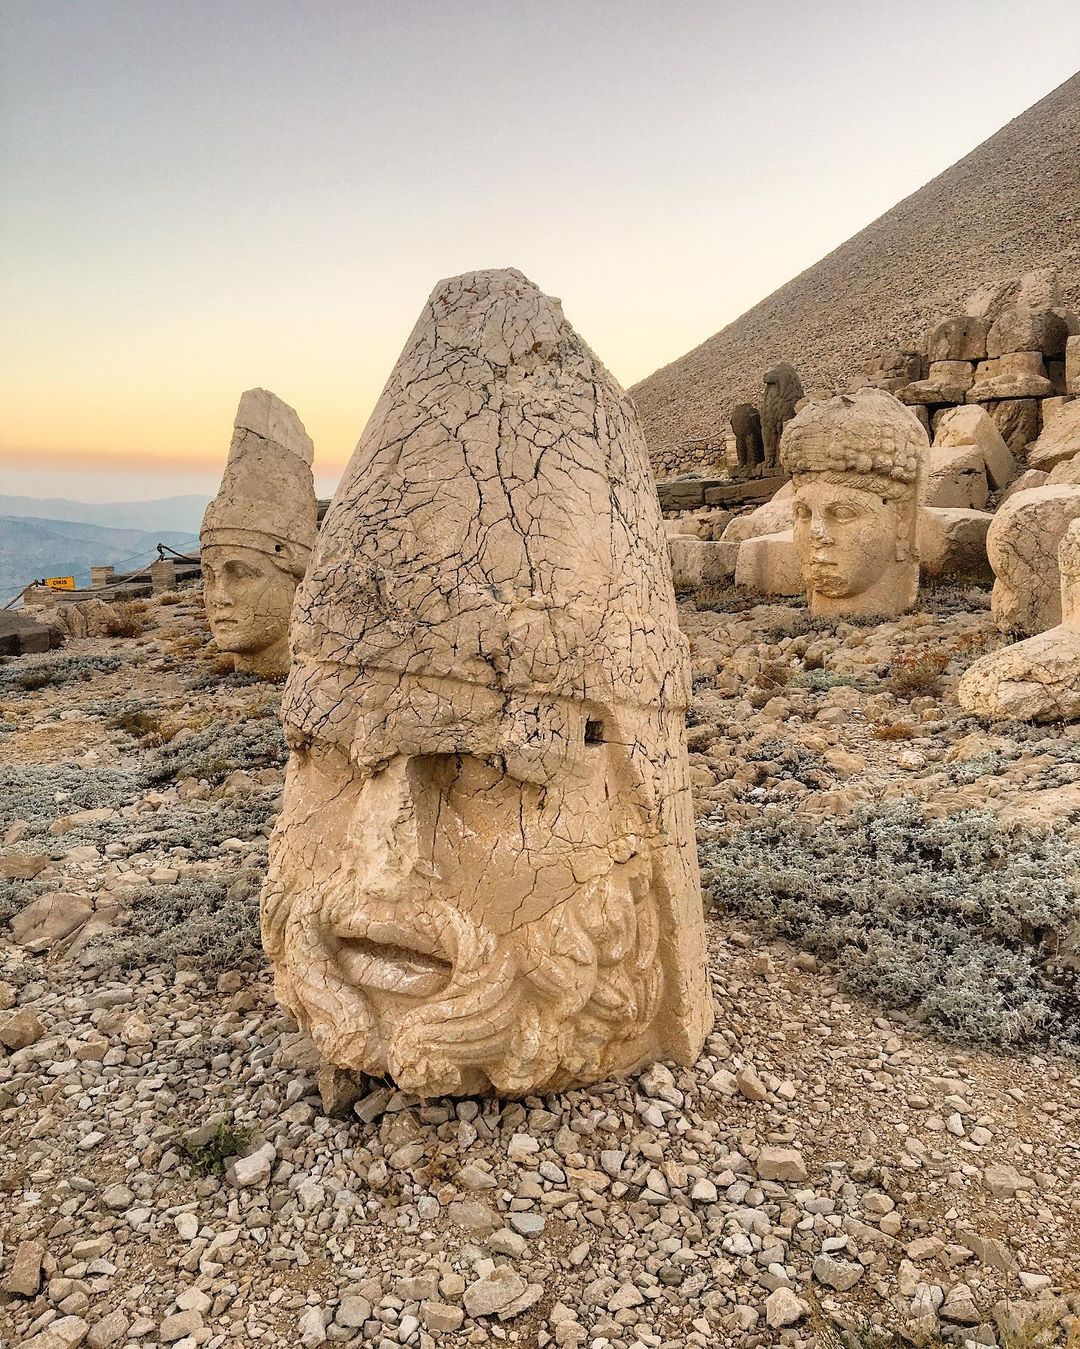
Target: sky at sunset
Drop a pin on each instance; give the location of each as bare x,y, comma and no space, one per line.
200,196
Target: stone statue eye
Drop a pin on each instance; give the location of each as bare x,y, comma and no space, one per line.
594,732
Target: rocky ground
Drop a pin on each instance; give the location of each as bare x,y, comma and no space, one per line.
171,1172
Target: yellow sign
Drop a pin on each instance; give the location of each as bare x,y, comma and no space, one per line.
60,582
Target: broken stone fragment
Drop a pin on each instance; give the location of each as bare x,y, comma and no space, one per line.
1022,544
1038,679
769,565
1059,441
971,425
21,866
842,1275
781,1164
47,921
952,542
783,1308
24,1277
254,1169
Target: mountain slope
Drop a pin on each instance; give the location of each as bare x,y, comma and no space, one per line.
1010,206
31,549
179,512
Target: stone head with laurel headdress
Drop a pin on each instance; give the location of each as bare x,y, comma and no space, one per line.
856,463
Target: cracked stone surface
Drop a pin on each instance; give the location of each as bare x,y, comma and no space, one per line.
1022,544
483,877
857,462
1060,440
258,532
1039,679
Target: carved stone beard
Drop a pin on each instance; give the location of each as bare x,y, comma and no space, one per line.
434,922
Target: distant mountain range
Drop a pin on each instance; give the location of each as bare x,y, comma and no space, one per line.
178,513
33,548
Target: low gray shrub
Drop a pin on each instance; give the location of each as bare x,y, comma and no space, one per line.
192,924
964,921
25,674
38,793
820,681
215,751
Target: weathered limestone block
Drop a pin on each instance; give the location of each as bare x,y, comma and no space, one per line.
701,562
782,391
946,382
1067,471
681,494
1027,331
769,565
956,477
1059,441
952,543
1031,477
1022,544
1072,365
1051,408
956,374
43,923
1038,679
257,534
856,462
1036,290
686,558
746,427
484,874
962,338
775,516
1018,421
1016,374
1022,364
892,368
21,635
971,425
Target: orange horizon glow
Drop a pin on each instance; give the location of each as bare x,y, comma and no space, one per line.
171,235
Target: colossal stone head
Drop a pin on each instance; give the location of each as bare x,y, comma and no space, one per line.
257,534
483,876
856,462
1037,679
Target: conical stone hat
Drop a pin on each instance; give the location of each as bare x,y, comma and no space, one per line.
266,500
498,523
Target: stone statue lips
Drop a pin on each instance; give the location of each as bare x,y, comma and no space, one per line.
390,957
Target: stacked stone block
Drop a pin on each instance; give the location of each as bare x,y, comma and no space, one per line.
1008,354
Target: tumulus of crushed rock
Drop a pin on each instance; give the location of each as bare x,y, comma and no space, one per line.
1011,206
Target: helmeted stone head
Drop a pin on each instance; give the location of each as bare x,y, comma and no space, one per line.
856,461
483,877
257,534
